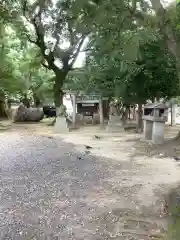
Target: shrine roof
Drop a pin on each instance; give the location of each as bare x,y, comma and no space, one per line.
156,105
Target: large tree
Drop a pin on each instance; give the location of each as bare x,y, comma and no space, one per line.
129,60
166,24
59,29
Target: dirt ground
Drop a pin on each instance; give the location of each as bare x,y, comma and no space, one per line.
141,175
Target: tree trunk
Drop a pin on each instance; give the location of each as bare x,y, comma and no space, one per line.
124,115
26,101
37,101
153,100
101,114
60,122
8,109
3,113
134,112
58,92
58,95
139,119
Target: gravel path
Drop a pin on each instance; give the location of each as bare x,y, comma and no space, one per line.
51,191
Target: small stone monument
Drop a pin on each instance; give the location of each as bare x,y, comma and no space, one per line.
61,125
154,122
115,121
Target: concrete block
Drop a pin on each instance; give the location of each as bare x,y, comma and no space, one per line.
61,125
158,133
148,126
115,125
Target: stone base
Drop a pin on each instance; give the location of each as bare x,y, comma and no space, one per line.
96,118
61,125
115,126
114,119
158,133
148,125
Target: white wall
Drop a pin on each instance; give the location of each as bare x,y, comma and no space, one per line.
175,114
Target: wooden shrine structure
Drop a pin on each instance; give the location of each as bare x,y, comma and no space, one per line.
92,106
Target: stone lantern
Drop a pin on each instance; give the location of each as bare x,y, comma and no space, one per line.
154,121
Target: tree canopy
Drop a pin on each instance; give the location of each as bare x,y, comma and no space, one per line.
131,49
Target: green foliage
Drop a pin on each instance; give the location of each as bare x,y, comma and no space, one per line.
112,71
20,69
126,57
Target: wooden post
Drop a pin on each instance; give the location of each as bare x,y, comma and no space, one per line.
74,110
173,114
101,111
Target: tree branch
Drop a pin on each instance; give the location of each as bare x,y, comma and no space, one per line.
37,86
157,5
41,44
69,57
30,40
70,30
87,50
133,8
77,51
57,29
24,7
134,12
166,28
44,65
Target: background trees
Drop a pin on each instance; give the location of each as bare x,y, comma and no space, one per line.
131,54
59,31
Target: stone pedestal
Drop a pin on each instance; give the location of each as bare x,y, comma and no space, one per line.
173,109
78,118
114,119
101,115
158,132
96,118
148,125
154,122
115,124
61,125
74,110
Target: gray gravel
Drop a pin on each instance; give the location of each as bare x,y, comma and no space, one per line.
45,187
51,191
